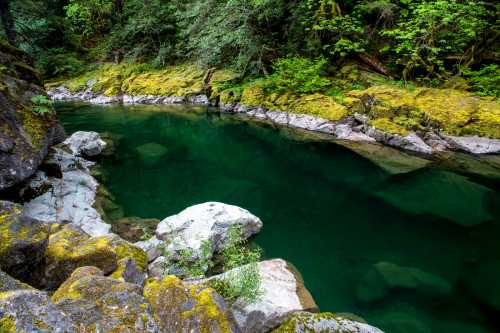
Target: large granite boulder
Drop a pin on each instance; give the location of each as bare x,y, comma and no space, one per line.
305,322
25,135
32,311
71,248
22,241
85,144
187,308
101,304
385,277
72,196
282,292
207,222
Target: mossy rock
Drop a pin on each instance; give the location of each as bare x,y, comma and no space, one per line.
388,126
253,95
188,308
71,248
305,322
110,305
22,241
182,80
453,111
320,106
31,311
24,134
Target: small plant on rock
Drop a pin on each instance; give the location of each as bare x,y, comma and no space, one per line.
42,105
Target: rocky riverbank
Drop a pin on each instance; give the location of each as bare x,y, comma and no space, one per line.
58,242
423,121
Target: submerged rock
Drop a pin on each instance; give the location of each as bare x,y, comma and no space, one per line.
181,308
71,248
151,152
400,322
282,292
32,311
304,322
102,304
438,195
86,144
22,241
483,283
385,277
209,221
390,159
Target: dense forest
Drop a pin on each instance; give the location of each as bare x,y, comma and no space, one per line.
426,42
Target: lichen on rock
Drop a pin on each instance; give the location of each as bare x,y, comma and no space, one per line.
181,308
71,248
110,305
22,240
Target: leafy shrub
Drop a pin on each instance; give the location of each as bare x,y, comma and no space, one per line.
244,279
298,75
486,81
42,105
57,62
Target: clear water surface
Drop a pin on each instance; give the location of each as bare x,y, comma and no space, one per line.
414,252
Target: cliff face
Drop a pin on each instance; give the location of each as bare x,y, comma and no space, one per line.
25,135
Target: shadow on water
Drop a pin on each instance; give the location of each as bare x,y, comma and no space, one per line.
409,252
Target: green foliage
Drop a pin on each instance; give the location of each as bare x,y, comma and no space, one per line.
486,81
237,251
429,31
298,75
243,283
190,267
89,17
57,62
42,105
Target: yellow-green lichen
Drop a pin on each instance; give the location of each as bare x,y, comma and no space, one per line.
169,294
319,105
386,125
8,324
453,111
36,126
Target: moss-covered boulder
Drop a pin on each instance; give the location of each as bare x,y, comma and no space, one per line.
305,322
128,271
32,311
71,248
22,241
101,304
452,111
320,106
181,308
24,134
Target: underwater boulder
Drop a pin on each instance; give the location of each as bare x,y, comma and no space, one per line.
305,322
178,307
483,283
152,152
400,322
385,277
438,195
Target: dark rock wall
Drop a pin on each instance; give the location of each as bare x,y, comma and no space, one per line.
24,135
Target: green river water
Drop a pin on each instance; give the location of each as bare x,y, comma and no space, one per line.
410,252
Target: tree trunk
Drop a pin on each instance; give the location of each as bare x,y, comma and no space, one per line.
7,22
